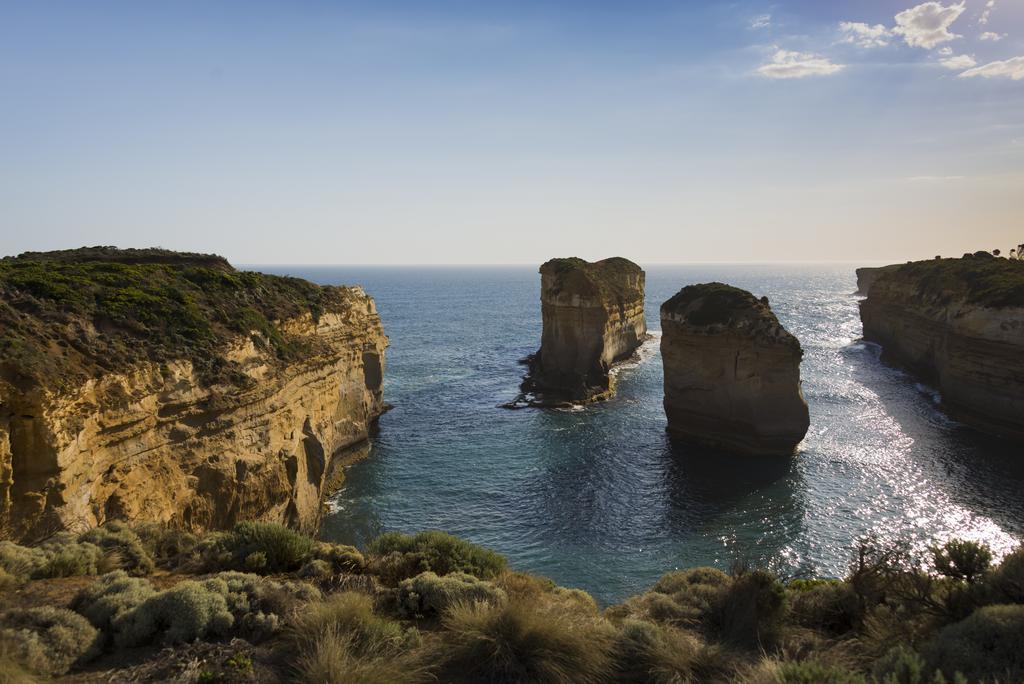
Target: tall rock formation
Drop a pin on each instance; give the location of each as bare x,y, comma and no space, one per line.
593,316
151,385
732,372
957,324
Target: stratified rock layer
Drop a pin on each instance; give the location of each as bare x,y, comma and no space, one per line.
256,432
732,372
958,324
593,316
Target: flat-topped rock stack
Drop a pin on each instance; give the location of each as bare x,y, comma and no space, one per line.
593,316
732,372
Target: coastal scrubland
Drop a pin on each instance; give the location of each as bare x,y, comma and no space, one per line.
263,603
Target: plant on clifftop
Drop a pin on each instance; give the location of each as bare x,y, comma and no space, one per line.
400,556
960,559
47,640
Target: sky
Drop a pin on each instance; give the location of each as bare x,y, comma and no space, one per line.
448,132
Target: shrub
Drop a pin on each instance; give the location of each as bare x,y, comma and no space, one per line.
280,549
119,538
749,611
110,597
988,645
316,569
189,611
7,580
11,670
20,562
902,665
406,556
646,652
164,543
68,557
814,672
683,598
332,657
526,642
350,615
429,594
962,560
829,606
522,585
46,640
340,557
258,605
1006,582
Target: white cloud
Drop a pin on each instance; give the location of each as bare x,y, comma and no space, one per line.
993,37
989,6
763,21
958,62
787,64
927,25
946,51
1008,68
864,35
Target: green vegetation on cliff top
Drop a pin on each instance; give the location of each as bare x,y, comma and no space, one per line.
716,304
609,276
977,278
76,313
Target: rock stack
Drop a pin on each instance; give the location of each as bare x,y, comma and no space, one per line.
732,372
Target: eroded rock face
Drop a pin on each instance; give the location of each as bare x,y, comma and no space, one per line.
593,317
732,372
158,441
957,324
867,276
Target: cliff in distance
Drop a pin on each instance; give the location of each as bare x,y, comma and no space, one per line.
159,386
593,315
867,276
732,372
958,324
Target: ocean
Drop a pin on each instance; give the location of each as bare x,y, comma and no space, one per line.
598,497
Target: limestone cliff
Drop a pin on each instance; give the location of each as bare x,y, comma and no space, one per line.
593,316
867,276
732,372
147,385
957,324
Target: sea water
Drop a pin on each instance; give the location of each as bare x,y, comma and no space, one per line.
598,497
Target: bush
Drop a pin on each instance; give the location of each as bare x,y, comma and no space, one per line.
429,594
258,605
20,562
316,569
988,645
404,556
62,556
962,560
332,657
814,672
829,606
526,642
749,611
350,615
189,611
1006,582
46,640
901,665
340,557
164,543
683,598
267,546
110,597
646,652
117,537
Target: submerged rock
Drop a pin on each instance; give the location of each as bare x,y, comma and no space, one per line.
158,386
957,324
593,317
732,372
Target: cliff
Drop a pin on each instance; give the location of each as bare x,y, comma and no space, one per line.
732,372
593,316
958,324
867,276
152,385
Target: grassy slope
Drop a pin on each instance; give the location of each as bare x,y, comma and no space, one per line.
145,305
977,279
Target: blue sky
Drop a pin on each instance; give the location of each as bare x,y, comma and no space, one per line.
469,132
